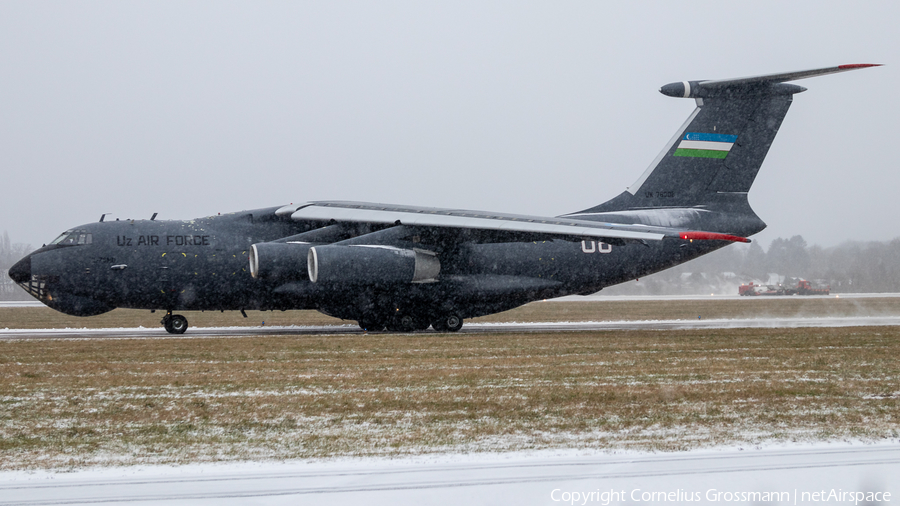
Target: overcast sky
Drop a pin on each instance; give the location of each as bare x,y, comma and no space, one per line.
192,108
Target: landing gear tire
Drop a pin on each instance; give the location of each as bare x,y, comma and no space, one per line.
448,323
175,323
407,323
371,325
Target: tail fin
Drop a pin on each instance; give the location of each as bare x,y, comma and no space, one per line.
714,157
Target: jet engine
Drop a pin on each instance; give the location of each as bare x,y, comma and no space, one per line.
371,265
279,260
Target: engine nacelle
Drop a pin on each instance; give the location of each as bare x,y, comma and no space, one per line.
279,260
371,265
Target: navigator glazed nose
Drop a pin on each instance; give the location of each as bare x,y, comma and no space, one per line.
20,272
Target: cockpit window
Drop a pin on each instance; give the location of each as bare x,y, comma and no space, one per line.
73,238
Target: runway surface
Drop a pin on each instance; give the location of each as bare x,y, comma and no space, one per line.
471,328
787,475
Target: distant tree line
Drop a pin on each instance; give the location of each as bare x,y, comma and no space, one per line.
11,253
850,267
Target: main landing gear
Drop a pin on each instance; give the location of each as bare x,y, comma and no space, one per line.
448,323
409,323
174,323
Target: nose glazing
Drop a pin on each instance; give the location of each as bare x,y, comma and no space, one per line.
20,272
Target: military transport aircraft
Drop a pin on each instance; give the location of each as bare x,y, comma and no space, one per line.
406,268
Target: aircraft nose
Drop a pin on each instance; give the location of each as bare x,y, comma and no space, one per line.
20,272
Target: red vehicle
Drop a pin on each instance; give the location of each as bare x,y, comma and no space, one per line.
804,288
753,290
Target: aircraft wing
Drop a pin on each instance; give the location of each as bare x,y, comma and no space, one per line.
384,214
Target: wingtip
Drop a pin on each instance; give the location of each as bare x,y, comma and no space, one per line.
852,66
712,236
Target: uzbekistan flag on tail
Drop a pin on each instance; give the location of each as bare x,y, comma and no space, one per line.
699,145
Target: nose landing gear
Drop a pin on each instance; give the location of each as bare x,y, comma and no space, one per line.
174,323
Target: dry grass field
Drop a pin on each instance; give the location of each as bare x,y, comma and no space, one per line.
550,311
67,403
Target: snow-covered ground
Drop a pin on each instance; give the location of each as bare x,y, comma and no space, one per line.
599,297
716,323
825,473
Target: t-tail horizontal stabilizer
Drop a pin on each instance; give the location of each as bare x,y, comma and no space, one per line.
709,165
763,84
